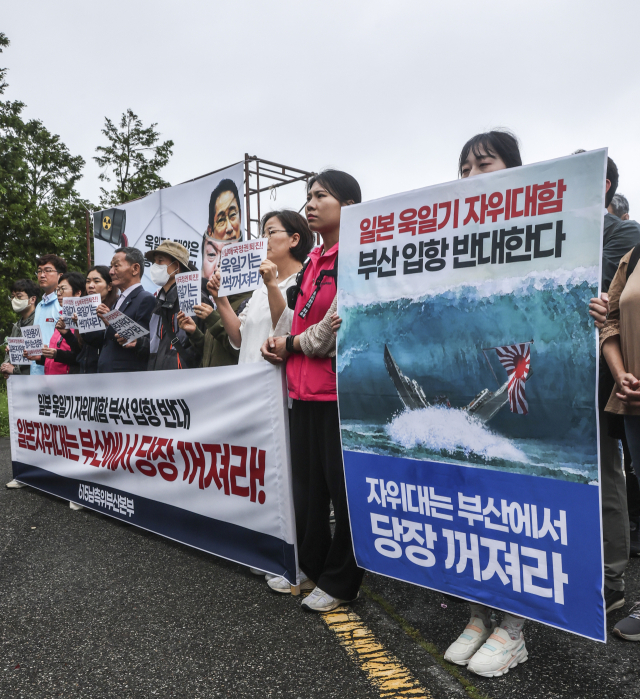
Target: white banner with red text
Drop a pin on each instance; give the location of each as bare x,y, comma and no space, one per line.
198,456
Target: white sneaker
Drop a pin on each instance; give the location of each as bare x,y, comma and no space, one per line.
280,584
464,647
256,571
73,506
14,484
319,601
498,655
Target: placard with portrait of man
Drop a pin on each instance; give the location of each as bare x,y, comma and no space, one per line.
225,224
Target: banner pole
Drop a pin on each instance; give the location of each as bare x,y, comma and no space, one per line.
86,216
247,197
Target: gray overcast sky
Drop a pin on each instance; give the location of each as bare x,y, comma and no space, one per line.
388,91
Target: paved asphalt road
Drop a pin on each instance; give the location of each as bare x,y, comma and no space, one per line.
91,607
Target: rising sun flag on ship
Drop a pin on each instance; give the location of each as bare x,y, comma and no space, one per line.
516,359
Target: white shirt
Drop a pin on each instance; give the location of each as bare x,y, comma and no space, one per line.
124,295
255,322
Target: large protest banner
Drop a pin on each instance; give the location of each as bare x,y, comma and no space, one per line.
467,380
203,460
204,215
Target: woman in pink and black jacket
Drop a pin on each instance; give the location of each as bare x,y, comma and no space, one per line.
327,564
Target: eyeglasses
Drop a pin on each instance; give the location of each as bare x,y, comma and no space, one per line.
48,270
19,298
268,234
61,290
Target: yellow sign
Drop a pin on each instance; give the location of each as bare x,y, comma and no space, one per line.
106,223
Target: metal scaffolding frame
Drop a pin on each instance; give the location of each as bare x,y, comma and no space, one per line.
267,177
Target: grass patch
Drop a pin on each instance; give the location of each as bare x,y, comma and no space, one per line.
433,651
4,409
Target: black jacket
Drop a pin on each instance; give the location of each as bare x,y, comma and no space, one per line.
619,237
113,357
83,357
168,344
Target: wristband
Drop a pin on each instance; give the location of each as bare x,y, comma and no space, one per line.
289,344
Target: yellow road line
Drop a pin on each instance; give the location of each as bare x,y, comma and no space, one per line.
390,677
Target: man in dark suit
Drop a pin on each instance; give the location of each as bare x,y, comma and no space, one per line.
116,355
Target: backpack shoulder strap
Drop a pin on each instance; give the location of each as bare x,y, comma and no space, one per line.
633,260
294,289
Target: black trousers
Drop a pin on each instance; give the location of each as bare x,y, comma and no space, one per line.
633,486
318,478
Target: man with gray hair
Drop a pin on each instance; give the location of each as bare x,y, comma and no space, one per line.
619,207
116,354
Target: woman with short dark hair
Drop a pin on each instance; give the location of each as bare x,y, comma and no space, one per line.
487,152
69,285
289,243
83,358
485,647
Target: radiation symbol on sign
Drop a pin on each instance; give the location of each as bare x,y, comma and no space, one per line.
106,223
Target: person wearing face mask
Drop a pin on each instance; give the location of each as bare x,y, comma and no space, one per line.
24,296
169,345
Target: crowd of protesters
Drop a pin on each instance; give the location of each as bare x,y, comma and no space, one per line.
269,324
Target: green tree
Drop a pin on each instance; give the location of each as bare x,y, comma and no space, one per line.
133,158
40,208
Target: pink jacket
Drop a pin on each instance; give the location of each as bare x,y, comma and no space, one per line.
312,378
51,367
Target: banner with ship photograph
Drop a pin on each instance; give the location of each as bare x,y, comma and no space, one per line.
467,379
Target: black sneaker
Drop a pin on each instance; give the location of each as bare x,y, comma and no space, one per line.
629,628
613,599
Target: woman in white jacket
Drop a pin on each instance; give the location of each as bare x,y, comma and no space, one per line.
289,243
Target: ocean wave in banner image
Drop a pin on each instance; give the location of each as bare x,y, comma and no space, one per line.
485,375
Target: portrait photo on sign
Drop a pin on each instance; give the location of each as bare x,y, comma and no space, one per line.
203,215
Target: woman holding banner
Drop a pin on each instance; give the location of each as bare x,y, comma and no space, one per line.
58,356
266,314
327,564
85,355
484,647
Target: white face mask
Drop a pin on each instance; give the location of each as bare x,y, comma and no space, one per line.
19,305
159,274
